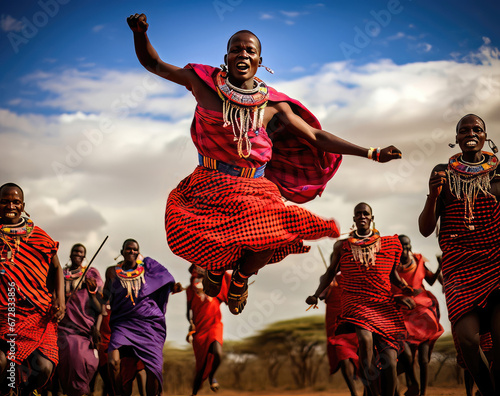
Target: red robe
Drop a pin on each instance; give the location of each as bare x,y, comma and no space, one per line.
25,281
207,321
343,346
422,322
212,218
367,301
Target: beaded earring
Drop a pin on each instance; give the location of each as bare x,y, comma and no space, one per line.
492,145
267,68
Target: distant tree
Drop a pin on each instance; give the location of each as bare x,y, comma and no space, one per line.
300,340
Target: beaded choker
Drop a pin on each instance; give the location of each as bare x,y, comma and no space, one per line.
365,247
467,180
242,108
131,279
72,277
12,233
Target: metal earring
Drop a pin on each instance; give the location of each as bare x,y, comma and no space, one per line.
267,68
492,145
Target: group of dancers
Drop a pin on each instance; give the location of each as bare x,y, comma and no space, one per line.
257,148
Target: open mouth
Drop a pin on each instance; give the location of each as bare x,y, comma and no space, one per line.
471,143
10,215
242,66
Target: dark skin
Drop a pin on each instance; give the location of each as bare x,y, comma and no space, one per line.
243,59
470,136
11,208
363,219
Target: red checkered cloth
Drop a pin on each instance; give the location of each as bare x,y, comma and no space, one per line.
211,218
298,169
33,331
471,258
367,300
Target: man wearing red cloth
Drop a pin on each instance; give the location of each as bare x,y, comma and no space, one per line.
463,195
421,322
31,297
368,263
206,328
226,214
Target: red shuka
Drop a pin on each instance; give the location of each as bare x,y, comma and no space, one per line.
367,301
422,322
34,328
207,321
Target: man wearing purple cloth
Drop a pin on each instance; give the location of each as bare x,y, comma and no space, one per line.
138,292
77,333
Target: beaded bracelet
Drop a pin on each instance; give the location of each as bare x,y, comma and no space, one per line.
93,291
370,152
376,154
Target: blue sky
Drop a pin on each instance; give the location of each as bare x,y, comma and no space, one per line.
97,142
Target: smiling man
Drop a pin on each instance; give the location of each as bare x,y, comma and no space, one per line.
226,214
464,194
31,296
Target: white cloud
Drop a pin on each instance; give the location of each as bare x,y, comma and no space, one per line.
291,14
121,165
97,28
266,15
10,24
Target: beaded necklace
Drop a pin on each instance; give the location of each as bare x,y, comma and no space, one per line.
11,235
365,247
467,180
242,108
72,277
131,279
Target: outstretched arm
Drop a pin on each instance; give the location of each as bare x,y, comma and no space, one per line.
330,273
150,59
324,140
427,220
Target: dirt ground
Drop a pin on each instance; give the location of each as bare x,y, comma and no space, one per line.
431,391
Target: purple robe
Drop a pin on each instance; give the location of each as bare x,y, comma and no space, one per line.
142,326
78,360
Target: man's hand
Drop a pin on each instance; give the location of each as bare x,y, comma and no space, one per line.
389,153
137,23
312,300
406,302
59,309
91,285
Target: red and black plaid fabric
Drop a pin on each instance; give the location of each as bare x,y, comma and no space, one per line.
471,258
342,346
367,300
298,169
30,269
33,331
211,218
34,328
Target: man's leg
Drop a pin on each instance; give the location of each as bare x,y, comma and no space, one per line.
216,350
40,371
467,332
423,361
114,372
389,358
348,371
369,371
